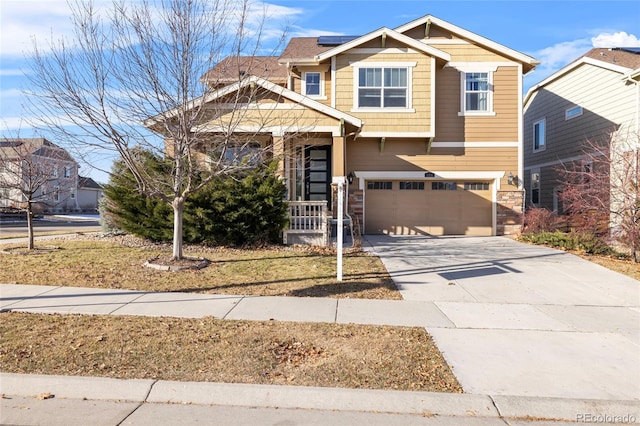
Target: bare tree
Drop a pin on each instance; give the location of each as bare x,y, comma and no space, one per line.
145,62
34,175
601,190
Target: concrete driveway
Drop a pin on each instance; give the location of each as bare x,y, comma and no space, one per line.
529,320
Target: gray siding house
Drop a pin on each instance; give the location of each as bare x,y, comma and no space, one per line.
587,100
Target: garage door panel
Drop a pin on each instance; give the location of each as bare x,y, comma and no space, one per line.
428,211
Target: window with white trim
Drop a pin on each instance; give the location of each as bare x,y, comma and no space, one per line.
381,87
572,112
312,82
67,172
535,187
477,92
539,135
56,194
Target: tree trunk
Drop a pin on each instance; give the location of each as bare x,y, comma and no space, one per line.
178,210
31,244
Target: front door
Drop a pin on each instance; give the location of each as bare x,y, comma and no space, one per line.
318,174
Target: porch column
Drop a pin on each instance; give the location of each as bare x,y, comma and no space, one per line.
338,156
278,154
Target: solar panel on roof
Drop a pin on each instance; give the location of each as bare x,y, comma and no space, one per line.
335,40
629,49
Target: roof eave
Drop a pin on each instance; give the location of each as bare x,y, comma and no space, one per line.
521,57
379,32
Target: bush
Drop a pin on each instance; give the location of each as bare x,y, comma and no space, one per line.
246,209
586,242
538,220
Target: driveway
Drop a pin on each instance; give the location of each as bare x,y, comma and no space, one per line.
529,320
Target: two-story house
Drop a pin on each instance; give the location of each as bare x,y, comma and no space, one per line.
38,170
425,121
578,107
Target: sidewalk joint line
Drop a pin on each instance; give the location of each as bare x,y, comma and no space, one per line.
128,303
139,405
233,307
500,416
335,318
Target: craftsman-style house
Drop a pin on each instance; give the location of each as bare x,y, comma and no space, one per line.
424,120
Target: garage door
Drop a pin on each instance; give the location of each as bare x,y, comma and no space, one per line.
428,208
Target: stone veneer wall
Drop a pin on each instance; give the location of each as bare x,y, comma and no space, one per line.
509,214
356,207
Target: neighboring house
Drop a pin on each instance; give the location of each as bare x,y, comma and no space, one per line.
425,121
88,194
39,166
588,100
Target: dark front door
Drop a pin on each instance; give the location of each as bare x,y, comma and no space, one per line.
318,174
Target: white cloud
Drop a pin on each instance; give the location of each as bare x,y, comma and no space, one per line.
619,39
11,72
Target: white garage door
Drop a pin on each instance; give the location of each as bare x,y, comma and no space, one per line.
428,207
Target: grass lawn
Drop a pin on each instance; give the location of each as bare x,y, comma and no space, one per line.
84,261
207,349
330,355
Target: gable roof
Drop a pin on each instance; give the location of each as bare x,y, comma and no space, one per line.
87,183
14,148
302,50
387,32
612,59
269,86
528,61
233,68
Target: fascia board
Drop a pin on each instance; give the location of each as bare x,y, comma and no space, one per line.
471,36
391,33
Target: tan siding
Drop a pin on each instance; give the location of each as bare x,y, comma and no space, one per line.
418,121
410,155
284,118
502,127
471,53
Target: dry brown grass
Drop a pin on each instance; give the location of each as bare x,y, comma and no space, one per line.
623,266
329,355
275,271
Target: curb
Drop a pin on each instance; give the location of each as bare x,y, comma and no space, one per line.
320,398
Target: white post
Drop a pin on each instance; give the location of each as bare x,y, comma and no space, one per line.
340,181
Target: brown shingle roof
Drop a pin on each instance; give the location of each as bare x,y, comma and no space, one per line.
619,57
232,68
13,148
302,49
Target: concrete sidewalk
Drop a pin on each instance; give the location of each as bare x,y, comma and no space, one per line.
76,300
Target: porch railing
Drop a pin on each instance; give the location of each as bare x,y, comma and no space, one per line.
308,223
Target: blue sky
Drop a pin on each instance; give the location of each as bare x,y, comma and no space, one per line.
554,32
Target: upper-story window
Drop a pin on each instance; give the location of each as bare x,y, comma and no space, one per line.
312,84
476,92
476,89
539,136
67,172
382,88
